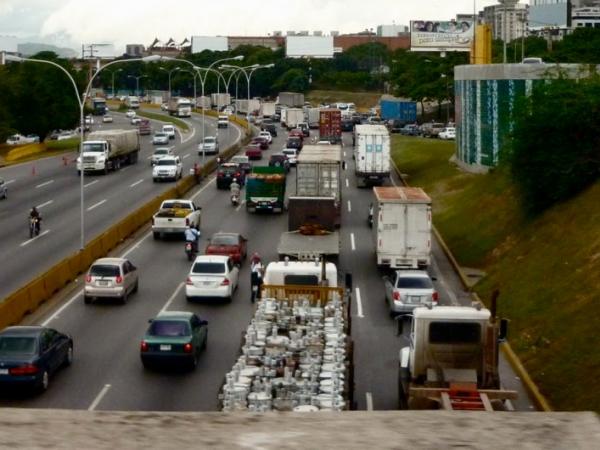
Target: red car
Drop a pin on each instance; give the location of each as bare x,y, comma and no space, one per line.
228,244
253,151
263,142
297,132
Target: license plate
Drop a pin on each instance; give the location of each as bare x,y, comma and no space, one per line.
103,283
165,348
207,283
414,299
3,371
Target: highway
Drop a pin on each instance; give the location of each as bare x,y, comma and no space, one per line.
107,373
52,185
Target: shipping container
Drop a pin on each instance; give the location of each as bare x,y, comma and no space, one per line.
330,125
371,154
397,109
318,171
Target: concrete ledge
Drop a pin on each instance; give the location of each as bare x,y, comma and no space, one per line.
29,428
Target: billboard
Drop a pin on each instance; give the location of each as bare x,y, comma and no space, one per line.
440,36
543,16
309,46
212,43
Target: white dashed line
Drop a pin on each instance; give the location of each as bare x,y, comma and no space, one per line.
96,205
90,183
99,398
136,183
164,308
349,206
369,401
49,202
9,181
359,308
44,184
352,243
185,156
43,233
347,183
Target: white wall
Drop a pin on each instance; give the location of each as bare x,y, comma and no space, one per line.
212,43
311,46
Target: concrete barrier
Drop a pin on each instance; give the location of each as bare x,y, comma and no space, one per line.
24,150
26,299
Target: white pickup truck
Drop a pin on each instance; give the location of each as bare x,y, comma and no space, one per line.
174,216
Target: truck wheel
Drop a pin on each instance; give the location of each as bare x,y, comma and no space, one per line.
156,235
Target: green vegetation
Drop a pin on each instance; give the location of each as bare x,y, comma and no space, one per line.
164,118
65,144
362,100
547,268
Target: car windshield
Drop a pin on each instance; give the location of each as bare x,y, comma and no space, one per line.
17,345
208,268
166,162
169,328
104,270
168,128
175,205
414,283
224,239
210,140
161,152
290,152
239,159
160,135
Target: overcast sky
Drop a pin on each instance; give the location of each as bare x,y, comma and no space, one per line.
73,22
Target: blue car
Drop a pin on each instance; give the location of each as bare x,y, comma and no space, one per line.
29,355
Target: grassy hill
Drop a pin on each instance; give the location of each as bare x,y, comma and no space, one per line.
547,268
362,100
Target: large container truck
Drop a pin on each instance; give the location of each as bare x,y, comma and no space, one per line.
291,117
220,100
180,107
313,115
399,110
245,106
291,99
109,150
267,109
265,189
330,125
403,227
371,154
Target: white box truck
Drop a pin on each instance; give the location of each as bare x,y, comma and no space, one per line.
267,109
371,154
403,227
108,150
313,115
291,117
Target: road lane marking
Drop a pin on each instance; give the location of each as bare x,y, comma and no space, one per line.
90,183
27,242
347,183
185,156
359,308
99,397
369,401
164,308
49,202
96,205
344,153
136,183
56,314
9,181
137,245
208,183
352,243
349,206
44,184
123,169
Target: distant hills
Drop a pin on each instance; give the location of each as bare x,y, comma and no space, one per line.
29,48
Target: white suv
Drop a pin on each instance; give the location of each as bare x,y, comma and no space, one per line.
210,145
169,130
223,121
167,168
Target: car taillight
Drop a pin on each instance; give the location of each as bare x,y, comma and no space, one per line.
397,295
88,278
188,348
435,297
187,222
27,369
237,174
189,281
144,346
119,279
225,282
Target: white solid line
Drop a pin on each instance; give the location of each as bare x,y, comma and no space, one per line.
164,308
369,401
347,183
123,169
349,206
352,241
96,205
359,309
90,183
44,184
98,399
61,309
49,202
185,156
43,233
149,157
208,183
9,181
136,183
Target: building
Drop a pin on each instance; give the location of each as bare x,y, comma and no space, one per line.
273,42
586,17
135,50
508,20
391,30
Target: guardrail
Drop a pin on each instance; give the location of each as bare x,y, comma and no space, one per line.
28,298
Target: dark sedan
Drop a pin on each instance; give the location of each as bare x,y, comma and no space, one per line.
29,355
228,244
262,142
294,142
174,338
227,172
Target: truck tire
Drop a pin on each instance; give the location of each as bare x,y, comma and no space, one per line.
156,235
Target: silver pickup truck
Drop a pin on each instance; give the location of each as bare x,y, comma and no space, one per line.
174,216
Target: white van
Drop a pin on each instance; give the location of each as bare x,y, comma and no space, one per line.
169,130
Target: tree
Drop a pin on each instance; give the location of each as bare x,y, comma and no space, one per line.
556,145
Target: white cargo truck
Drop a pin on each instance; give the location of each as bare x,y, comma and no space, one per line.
220,100
371,154
109,150
291,117
267,109
245,106
403,227
313,115
291,99
133,102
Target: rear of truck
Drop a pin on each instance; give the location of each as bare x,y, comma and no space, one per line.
265,189
330,125
371,154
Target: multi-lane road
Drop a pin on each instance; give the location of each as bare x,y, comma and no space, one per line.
107,373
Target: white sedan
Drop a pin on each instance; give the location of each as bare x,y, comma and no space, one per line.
447,133
130,114
266,135
107,119
212,276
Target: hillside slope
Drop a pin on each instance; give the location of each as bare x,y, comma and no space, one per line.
547,268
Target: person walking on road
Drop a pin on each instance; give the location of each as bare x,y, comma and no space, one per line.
256,274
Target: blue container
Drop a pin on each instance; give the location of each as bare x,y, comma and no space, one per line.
398,110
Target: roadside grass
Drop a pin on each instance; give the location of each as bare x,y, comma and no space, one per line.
546,268
362,100
52,148
164,118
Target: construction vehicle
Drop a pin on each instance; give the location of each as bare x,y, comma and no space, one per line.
452,360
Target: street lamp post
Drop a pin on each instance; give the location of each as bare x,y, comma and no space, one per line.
81,103
170,72
194,74
112,73
251,69
137,81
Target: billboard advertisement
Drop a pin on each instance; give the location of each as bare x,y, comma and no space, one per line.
309,46
212,43
441,36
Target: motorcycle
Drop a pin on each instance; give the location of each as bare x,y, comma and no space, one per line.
190,250
370,220
34,226
235,199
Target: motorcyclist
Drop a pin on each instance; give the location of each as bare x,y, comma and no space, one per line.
35,217
192,234
234,188
256,274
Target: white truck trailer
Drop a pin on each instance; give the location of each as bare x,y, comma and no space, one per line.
291,117
109,150
371,154
245,106
313,115
267,109
403,227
